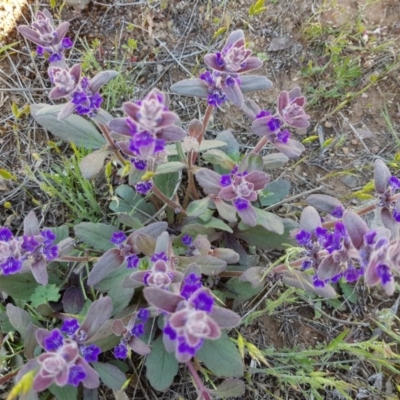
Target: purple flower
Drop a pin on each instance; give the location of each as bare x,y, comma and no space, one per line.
67,43
70,327
5,235
191,283
76,375
137,330
143,314
187,240
11,266
291,108
118,238
144,187
234,57
273,124
383,271
54,340
303,238
132,261
141,165
121,351
90,353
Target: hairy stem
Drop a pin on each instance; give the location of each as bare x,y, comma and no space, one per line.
175,206
205,122
259,146
106,133
200,385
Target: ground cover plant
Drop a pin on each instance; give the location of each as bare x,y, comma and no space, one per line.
157,281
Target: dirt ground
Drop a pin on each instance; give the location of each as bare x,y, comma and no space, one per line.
172,36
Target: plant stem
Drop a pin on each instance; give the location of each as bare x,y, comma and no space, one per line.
106,133
200,385
191,187
206,120
259,146
175,206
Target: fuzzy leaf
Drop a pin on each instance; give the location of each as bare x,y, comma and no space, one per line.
20,319
108,262
265,240
209,265
110,375
356,228
73,128
251,162
222,357
99,312
196,208
205,145
232,145
166,301
73,300
161,366
169,167
92,164
324,202
252,83
269,221
229,388
381,176
274,192
31,224
274,161
96,235
190,87
303,281
218,157
310,219
67,392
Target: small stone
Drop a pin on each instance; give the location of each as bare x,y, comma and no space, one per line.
345,150
328,124
354,142
364,95
375,149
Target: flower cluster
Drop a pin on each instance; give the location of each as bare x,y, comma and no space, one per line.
149,125
50,41
126,249
130,334
33,250
240,187
191,317
61,363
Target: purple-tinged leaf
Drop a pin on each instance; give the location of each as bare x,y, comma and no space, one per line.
170,167
30,342
232,145
108,262
41,335
162,244
209,181
310,219
73,300
162,299
31,224
65,246
20,319
250,108
253,83
233,93
67,110
328,268
30,34
291,149
390,223
139,347
73,128
274,161
219,157
304,281
92,164
229,388
91,380
191,87
145,244
381,176
101,79
324,202
195,128
39,271
99,312
356,228
226,319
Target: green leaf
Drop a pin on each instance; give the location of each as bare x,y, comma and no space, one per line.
161,366
274,192
20,319
110,375
132,203
241,291
168,183
218,224
169,167
348,291
198,207
218,157
251,162
230,388
266,240
205,145
44,294
221,357
269,221
73,128
67,392
96,235
22,286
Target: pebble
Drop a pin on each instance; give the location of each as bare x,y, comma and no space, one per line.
328,124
